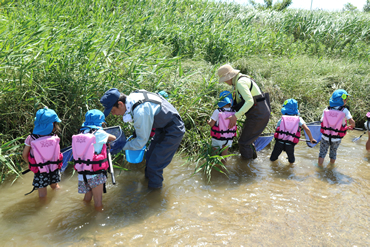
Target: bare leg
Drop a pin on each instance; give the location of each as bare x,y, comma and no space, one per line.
224,153
88,197
98,197
321,161
368,142
42,192
55,186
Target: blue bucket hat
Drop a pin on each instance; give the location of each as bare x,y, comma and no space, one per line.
94,118
290,107
44,121
108,100
337,97
226,98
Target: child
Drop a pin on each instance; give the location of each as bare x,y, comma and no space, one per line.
367,126
288,131
222,136
334,126
42,151
90,147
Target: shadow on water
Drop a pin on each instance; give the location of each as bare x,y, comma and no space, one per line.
332,176
129,202
29,205
285,171
239,171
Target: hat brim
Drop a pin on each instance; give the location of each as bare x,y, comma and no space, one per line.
229,75
224,102
107,111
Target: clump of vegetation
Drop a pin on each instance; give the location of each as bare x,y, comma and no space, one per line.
208,160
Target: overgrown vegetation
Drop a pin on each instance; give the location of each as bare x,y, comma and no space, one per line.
66,54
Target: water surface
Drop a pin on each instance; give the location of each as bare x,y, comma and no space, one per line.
260,203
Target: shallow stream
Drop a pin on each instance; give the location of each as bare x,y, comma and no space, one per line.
260,204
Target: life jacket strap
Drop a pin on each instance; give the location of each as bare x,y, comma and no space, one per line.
330,128
46,163
92,173
31,191
287,133
26,171
224,131
89,162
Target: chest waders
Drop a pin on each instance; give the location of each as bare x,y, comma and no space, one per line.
257,118
169,131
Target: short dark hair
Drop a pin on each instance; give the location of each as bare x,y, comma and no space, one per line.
121,98
56,128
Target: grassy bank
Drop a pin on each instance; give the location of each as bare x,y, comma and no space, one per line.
65,54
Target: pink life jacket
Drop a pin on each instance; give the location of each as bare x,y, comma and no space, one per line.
289,130
332,123
46,155
84,156
222,131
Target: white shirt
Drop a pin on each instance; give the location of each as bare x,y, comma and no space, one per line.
216,112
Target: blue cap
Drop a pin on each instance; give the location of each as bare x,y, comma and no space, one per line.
290,107
108,100
226,98
164,94
44,121
94,118
338,97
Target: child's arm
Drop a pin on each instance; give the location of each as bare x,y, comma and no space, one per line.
308,131
111,138
211,122
352,124
25,153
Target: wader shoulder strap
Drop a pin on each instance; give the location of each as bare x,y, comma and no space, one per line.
252,81
146,98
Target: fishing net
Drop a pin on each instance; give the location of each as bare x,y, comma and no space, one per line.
315,131
262,141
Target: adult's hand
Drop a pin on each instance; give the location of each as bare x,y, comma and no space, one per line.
232,122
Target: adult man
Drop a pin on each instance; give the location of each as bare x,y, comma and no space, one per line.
248,100
148,110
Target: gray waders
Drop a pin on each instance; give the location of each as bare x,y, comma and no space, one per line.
256,121
169,131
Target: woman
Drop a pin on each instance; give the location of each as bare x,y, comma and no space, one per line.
250,101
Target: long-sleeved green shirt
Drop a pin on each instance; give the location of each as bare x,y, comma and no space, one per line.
241,88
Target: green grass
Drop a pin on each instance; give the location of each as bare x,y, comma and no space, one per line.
66,54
